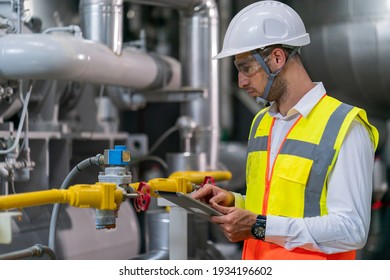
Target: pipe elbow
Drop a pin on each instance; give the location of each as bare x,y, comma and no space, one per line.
202,8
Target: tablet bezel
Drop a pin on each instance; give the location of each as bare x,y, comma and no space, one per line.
188,203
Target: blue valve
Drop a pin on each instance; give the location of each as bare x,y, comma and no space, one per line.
117,156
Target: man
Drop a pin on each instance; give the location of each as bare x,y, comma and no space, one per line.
310,157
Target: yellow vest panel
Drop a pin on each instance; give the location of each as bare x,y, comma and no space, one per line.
297,184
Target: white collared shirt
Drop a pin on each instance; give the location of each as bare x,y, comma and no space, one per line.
349,190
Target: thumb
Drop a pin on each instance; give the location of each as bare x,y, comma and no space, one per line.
223,209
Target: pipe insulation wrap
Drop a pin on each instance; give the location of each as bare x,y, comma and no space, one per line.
102,22
64,57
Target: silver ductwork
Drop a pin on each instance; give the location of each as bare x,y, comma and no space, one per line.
199,37
65,57
199,40
349,50
101,21
349,53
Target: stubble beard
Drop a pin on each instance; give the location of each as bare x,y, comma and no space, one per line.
278,91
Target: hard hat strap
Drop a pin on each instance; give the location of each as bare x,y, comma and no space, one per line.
271,76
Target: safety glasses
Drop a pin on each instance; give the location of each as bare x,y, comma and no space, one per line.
248,65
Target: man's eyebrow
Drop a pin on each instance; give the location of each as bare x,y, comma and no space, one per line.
243,61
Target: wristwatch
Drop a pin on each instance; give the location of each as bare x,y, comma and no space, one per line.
258,228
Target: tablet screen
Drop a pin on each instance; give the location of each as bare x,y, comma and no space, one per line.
192,205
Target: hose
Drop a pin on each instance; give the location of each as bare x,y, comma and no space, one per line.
97,160
162,138
22,118
37,250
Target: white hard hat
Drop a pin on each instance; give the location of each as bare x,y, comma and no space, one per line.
262,24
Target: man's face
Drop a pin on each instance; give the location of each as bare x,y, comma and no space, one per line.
251,76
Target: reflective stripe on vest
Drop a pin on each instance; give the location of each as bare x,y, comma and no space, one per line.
304,161
321,154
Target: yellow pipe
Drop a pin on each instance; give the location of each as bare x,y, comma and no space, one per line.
171,185
102,196
181,181
197,177
106,196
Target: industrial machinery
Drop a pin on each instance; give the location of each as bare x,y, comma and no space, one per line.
67,73
115,98
106,196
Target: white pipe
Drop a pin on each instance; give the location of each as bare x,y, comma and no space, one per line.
65,57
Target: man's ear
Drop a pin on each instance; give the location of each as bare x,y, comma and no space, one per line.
280,57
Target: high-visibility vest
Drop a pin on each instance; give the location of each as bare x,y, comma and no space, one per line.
298,177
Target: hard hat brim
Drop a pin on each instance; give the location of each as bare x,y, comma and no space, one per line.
294,42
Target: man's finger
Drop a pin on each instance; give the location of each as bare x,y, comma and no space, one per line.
223,209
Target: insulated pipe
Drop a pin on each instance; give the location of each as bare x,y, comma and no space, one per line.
153,255
64,57
102,22
180,5
199,37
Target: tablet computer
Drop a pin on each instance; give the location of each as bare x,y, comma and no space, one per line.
191,205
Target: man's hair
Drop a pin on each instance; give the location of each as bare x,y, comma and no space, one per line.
286,49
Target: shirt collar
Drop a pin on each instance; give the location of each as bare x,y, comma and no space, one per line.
304,105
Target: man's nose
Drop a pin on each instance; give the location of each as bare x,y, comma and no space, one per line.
243,81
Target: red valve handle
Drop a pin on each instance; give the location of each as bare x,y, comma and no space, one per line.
141,203
208,180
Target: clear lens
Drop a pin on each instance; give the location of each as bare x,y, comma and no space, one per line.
249,66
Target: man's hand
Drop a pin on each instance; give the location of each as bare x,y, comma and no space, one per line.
211,194
236,223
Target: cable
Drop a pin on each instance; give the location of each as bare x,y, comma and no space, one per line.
74,29
22,118
26,141
151,158
162,138
97,160
37,250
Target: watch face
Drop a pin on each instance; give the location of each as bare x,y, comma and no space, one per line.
259,232
258,229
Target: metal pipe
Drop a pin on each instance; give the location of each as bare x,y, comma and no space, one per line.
199,43
199,176
34,251
226,70
103,196
22,119
199,40
181,4
65,57
96,160
153,255
102,22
